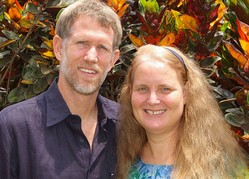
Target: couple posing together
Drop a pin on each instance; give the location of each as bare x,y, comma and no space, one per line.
167,123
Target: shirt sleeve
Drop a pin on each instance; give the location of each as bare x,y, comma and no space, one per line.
8,159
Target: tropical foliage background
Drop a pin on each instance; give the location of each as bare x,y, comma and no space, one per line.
215,32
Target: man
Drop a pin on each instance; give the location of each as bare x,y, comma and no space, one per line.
68,132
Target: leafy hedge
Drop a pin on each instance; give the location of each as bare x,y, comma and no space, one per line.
215,32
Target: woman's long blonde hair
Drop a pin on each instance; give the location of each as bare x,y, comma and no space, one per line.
206,147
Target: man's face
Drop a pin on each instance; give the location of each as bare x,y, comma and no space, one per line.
87,55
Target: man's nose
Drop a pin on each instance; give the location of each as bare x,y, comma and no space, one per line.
153,98
91,54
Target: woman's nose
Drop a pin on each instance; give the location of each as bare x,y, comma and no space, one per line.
153,99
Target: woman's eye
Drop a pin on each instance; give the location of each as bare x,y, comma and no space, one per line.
143,88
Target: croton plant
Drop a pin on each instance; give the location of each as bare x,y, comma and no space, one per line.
215,32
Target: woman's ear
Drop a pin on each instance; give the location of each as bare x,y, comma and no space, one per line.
57,45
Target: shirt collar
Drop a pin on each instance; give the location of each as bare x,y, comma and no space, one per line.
57,109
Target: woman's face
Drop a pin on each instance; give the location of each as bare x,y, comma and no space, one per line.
157,97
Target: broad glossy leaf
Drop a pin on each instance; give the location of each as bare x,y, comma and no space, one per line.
11,2
215,42
150,6
167,40
30,7
16,95
236,53
122,10
10,35
137,41
26,23
243,30
113,3
178,21
18,5
29,92
233,120
6,42
209,61
45,69
245,46
5,60
189,22
14,13
40,85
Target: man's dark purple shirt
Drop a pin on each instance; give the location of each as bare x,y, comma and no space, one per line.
41,139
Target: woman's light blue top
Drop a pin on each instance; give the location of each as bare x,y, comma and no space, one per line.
141,170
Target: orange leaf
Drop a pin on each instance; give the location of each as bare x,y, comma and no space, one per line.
18,5
189,22
14,13
121,4
11,2
243,30
236,53
245,46
167,40
122,10
113,3
136,40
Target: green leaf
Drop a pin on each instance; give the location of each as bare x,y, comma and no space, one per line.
40,85
32,8
233,119
29,92
244,6
215,42
2,8
5,60
210,61
10,34
16,95
150,5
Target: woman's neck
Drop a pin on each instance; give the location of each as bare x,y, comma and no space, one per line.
160,150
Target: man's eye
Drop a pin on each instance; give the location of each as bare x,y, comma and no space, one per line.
103,48
163,89
83,43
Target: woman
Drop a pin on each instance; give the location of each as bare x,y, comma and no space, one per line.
171,124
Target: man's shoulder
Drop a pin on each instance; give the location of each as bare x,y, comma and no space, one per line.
22,110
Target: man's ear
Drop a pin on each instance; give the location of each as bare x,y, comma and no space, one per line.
114,59
57,45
